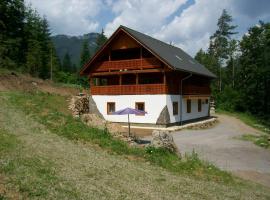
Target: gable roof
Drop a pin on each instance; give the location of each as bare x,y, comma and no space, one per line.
175,57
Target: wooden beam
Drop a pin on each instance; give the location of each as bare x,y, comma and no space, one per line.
126,72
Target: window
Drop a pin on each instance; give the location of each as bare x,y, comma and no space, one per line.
199,105
188,105
175,108
140,106
110,107
206,101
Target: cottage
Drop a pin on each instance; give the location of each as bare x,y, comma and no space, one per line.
135,70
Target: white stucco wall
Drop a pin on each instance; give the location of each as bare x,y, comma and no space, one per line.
153,106
194,109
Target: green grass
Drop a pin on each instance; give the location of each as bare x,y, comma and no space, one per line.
51,111
259,140
32,175
250,120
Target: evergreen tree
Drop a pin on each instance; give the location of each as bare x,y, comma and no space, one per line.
219,44
11,31
101,39
253,81
66,64
85,53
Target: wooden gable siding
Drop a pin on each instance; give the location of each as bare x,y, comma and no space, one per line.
123,41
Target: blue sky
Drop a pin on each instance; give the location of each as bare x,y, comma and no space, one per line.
186,23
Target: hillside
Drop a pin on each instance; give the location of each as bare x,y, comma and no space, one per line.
73,45
47,154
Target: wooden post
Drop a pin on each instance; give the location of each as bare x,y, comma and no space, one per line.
164,78
141,56
109,55
120,79
137,78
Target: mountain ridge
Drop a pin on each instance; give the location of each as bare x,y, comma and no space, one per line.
73,45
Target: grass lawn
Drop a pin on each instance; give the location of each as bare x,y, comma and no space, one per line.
47,154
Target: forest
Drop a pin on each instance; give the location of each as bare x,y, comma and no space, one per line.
242,67
241,64
26,45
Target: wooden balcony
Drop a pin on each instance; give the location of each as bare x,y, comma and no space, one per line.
196,90
146,63
129,89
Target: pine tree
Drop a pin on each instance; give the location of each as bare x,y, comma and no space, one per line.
101,39
254,73
66,64
85,53
219,43
11,31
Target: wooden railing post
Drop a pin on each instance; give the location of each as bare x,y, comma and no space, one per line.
120,79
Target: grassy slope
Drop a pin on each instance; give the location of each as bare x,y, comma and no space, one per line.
45,153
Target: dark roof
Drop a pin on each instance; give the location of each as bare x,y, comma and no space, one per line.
173,56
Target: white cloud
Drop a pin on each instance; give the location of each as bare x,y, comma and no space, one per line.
192,28
147,16
71,17
189,29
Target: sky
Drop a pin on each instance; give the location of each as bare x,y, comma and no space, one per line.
187,24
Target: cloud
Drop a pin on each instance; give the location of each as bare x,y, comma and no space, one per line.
186,23
70,16
147,16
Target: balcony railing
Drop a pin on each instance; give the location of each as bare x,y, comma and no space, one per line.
129,89
196,90
128,64
148,89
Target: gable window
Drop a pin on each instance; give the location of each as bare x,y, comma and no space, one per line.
188,105
140,106
110,107
199,105
175,108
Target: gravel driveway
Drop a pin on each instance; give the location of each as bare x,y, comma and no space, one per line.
219,146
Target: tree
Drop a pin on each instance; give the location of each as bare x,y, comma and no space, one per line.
219,44
254,73
11,31
85,53
66,64
101,39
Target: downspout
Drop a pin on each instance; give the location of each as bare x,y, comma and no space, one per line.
181,97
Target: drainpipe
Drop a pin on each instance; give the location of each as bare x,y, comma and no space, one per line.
181,97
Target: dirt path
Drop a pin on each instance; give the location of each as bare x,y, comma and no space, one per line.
220,146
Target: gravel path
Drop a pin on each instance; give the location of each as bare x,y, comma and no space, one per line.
220,146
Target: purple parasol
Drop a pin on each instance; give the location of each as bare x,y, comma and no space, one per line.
129,111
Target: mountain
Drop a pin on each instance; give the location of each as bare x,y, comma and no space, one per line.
73,45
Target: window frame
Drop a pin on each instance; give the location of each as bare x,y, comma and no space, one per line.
188,105
136,107
110,103
175,111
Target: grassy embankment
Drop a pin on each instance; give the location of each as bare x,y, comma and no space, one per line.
46,153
